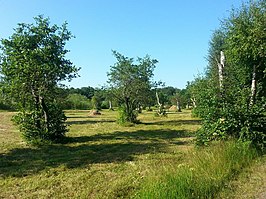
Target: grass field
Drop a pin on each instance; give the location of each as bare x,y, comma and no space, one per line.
101,158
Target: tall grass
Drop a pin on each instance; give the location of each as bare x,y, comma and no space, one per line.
206,172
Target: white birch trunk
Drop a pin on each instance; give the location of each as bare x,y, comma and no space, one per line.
178,106
160,110
253,86
221,69
110,105
158,100
194,102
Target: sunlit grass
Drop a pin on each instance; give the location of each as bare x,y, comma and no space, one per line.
101,160
206,173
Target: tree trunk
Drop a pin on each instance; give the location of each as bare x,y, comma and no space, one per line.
160,111
221,69
37,107
44,109
188,104
129,116
194,102
139,108
110,106
158,102
253,87
178,105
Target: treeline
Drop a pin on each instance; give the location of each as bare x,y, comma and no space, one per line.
86,98
231,96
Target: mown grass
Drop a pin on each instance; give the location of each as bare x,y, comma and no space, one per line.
205,173
100,160
154,159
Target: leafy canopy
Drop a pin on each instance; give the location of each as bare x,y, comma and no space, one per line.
131,82
33,63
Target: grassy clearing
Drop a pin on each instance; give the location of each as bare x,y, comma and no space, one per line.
101,160
154,159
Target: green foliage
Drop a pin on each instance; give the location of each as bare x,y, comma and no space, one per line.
125,118
88,92
131,83
233,110
5,101
32,64
96,102
77,101
205,175
161,112
45,132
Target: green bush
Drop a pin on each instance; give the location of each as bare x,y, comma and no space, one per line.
127,118
36,130
234,105
77,101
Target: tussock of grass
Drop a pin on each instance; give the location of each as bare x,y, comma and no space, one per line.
207,171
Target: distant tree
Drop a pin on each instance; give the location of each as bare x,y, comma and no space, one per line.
108,101
179,100
131,83
85,91
32,64
166,94
149,100
161,99
96,102
77,101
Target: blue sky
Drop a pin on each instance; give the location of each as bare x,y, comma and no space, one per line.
174,32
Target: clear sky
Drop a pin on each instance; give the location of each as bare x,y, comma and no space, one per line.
174,32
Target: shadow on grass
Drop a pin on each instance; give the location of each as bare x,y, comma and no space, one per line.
78,116
136,136
88,121
115,147
166,122
174,122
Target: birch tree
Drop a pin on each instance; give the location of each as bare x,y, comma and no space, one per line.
240,113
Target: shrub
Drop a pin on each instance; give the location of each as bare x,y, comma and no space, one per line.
36,130
124,117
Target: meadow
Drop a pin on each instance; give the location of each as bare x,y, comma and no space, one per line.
101,159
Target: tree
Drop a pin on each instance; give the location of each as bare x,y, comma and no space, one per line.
160,103
246,58
77,101
85,91
96,102
131,83
234,105
32,64
179,100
